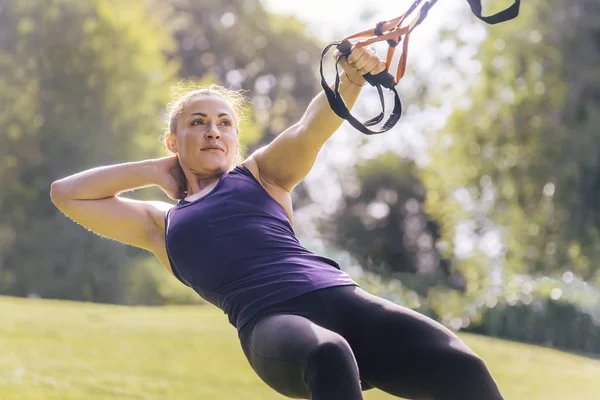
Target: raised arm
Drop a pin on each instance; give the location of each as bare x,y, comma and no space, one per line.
290,156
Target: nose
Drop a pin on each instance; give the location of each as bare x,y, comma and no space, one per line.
213,132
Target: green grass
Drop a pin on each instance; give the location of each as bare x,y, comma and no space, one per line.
67,350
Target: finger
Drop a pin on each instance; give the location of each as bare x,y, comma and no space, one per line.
368,55
356,53
343,62
379,68
340,58
336,54
370,66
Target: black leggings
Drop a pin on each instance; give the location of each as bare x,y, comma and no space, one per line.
324,344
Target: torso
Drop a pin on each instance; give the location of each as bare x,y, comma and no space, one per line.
279,194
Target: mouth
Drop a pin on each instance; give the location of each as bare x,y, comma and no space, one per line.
213,149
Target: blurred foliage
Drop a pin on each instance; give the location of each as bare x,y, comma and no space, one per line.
519,155
382,223
148,284
245,47
562,313
83,84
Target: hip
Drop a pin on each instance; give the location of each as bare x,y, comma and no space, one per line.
327,307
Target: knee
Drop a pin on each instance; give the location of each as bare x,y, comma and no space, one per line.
333,352
332,359
460,364
470,363
331,371
470,378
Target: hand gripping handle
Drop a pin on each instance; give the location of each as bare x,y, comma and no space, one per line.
384,78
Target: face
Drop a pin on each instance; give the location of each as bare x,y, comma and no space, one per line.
206,139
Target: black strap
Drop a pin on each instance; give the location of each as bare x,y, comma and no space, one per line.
337,104
504,15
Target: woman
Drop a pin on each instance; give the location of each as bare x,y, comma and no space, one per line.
305,326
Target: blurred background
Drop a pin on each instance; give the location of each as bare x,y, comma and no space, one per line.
480,209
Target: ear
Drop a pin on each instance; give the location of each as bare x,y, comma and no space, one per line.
170,142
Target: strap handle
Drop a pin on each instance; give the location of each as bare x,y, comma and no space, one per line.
337,104
502,16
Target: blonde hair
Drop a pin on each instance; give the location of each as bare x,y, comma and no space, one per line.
182,94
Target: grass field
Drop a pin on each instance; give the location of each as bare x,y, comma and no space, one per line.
66,350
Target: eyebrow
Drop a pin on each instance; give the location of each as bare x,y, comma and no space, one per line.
206,116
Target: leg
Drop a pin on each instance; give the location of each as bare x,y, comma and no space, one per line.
409,355
301,359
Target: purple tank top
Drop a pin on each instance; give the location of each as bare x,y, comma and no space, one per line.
236,248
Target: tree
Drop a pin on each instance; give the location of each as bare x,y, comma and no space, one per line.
83,84
382,223
519,158
245,47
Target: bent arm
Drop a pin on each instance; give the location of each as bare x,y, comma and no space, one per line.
90,199
290,156
103,182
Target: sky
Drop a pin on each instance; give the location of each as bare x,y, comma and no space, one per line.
324,17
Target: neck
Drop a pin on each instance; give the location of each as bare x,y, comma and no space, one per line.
198,186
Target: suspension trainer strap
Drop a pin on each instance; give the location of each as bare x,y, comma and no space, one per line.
337,104
393,33
504,15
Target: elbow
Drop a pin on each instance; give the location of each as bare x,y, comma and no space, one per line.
57,193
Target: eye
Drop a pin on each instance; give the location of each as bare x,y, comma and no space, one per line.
226,122
197,122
